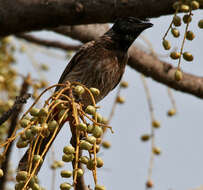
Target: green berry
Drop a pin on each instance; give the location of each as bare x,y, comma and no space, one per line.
156,124
84,159
80,172
52,125
90,164
99,117
200,23
90,110
124,84
43,112
97,131
84,145
176,20
69,150
82,127
166,44
145,137
106,144
34,111
24,123
68,157
99,187
175,55
66,173
95,91
65,186
187,18
91,139
21,143
188,56
100,162
175,32
79,90
90,128
37,158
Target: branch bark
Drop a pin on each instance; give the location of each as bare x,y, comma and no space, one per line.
21,15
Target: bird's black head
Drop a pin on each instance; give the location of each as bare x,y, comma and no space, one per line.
128,29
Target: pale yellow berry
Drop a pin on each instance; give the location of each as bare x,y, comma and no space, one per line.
95,91
156,150
194,5
79,90
171,112
178,75
1,173
184,8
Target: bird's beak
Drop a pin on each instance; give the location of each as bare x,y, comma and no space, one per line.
146,24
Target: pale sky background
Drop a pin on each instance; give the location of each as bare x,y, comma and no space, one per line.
180,166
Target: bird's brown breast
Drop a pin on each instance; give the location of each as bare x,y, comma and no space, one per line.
96,66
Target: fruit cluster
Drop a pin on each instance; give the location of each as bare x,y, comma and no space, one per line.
186,7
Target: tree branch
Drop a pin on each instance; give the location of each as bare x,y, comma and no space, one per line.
19,16
143,62
163,72
48,43
16,109
139,60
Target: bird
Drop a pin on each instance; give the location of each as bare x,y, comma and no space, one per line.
101,63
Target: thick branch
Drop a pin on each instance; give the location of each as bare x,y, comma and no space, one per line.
145,63
163,72
23,15
141,61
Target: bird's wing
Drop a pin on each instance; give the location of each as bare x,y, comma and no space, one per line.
74,61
